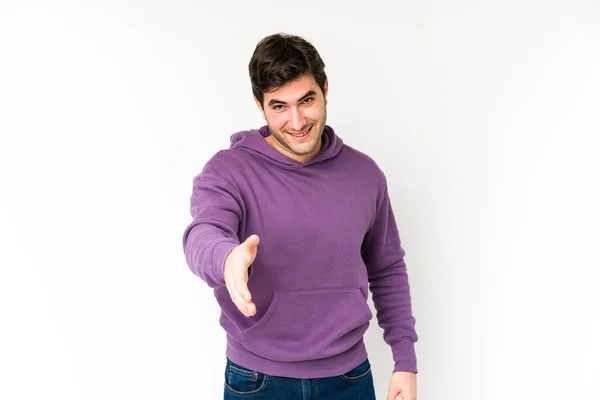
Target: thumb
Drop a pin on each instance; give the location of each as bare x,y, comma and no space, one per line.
249,248
252,241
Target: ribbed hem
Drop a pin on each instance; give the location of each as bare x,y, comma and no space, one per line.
310,369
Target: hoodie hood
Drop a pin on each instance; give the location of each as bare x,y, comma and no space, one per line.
253,141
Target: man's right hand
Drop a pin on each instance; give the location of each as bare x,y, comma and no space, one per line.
236,274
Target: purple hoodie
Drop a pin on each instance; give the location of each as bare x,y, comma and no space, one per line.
327,232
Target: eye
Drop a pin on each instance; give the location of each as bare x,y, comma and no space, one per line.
307,100
278,107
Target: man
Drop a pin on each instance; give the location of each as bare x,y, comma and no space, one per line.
295,307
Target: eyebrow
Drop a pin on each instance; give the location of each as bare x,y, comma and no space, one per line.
307,94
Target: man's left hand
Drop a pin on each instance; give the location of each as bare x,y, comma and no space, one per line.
403,384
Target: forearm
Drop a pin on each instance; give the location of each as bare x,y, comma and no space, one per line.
210,237
206,247
390,290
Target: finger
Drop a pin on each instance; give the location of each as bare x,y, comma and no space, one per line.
241,305
245,295
231,290
243,298
251,309
248,309
409,395
393,394
242,289
234,295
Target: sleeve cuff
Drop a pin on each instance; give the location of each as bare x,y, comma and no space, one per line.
405,358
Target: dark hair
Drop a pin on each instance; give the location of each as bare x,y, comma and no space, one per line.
281,58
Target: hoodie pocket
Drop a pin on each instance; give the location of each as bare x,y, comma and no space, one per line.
309,325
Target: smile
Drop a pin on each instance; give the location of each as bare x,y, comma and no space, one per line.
301,135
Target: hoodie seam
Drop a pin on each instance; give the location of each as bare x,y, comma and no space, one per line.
238,193
273,162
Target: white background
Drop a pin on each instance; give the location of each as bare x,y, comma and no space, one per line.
483,115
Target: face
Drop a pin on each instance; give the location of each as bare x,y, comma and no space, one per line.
296,116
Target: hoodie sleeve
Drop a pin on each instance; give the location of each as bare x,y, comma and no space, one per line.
210,237
388,281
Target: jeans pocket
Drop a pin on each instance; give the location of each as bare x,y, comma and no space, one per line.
242,381
358,373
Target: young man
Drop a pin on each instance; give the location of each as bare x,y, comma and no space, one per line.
295,307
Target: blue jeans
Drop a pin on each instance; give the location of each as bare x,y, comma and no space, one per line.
242,383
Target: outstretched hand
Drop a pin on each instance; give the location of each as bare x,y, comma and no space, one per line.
236,274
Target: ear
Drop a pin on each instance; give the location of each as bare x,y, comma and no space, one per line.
260,108
325,88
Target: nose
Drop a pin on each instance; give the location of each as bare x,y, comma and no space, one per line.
297,120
